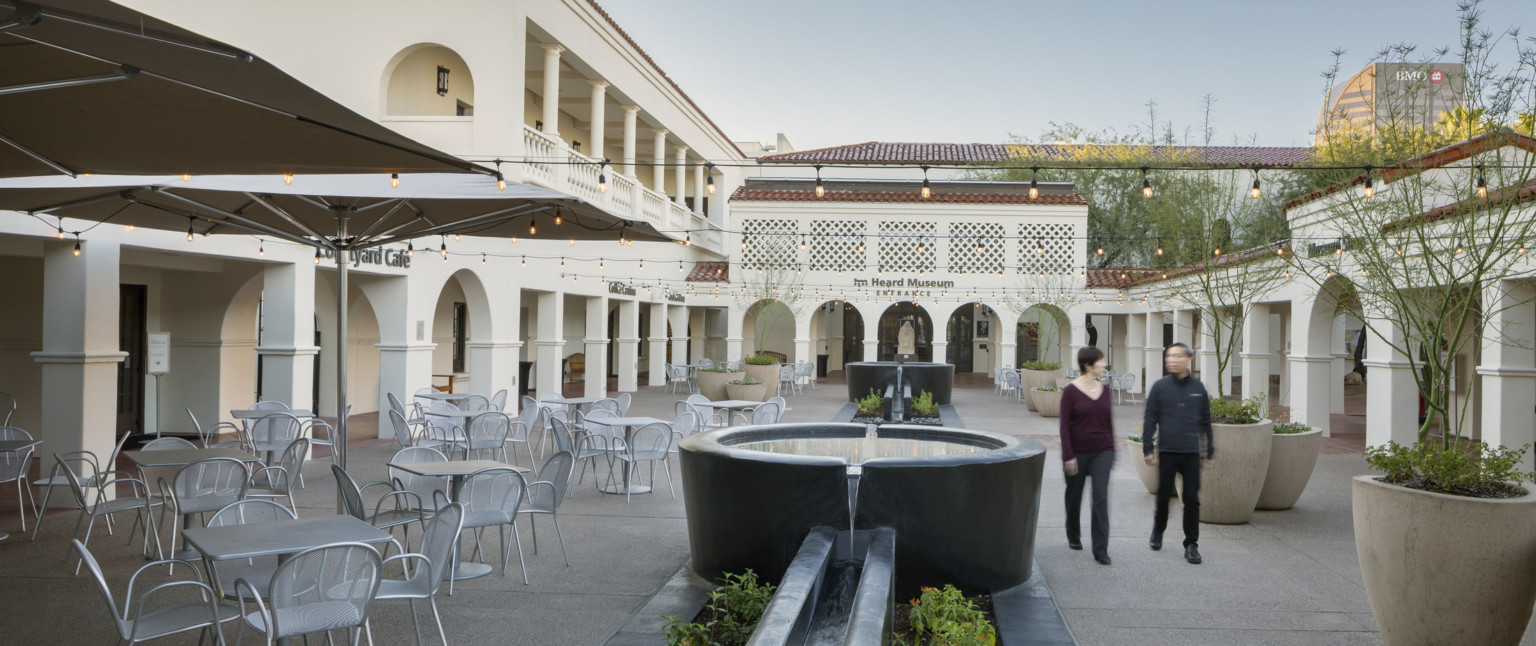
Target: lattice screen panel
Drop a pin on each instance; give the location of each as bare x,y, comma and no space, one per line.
1045,248
771,244
976,247
907,246
835,245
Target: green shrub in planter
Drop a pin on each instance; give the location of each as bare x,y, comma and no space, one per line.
1049,366
744,382
871,404
1481,471
760,360
1247,411
923,405
719,367
1291,428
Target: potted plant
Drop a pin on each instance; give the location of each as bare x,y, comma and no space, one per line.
1033,374
1291,460
1047,400
747,389
872,405
712,380
1229,489
1146,472
923,406
764,368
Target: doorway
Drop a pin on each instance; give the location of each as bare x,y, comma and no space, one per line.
132,338
962,327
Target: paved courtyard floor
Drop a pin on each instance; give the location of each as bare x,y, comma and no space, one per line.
1286,577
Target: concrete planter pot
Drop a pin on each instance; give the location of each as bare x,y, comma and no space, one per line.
712,384
1047,402
1229,490
768,374
1148,474
1029,380
753,393
1291,460
1442,569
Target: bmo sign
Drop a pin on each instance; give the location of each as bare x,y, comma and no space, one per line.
1433,76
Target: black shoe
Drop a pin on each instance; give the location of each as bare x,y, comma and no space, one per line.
1156,543
1191,554
1102,558
1076,545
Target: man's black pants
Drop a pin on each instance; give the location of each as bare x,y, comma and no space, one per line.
1187,465
1095,466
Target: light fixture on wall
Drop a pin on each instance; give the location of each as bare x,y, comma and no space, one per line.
442,81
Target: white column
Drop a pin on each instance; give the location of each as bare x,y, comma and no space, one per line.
552,89
405,341
493,352
1342,365
677,318
695,332
659,161
1310,362
1118,352
597,347
628,355
734,332
1256,353
549,347
658,339
1136,358
1508,369
1152,350
1390,393
631,112
80,348
1206,358
1184,327
599,96
287,351
698,189
682,177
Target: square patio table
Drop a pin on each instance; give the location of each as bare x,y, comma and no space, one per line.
629,424
254,413
444,397
572,404
14,446
455,471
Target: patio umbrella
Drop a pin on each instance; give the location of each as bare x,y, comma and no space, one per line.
337,212
89,86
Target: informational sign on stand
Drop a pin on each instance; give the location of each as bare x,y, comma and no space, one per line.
159,361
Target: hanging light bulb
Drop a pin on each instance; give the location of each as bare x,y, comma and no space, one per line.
525,261
1216,251
1034,183
1146,183
642,264
688,239
821,191
1159,247
410,249
1101,250
1482,183
482,260
77,246
562,263
802,243
919,245
189,231
744,242
861,245
926,192
1039,247
1370,191
186,177
679,266
261,248
573,242
709,177
394,180
601,265
501,182
1255,191
602,177
456,238
317,255
444,249
533,228
288,179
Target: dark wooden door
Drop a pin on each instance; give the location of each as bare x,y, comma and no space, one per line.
131,338
962,328
853,334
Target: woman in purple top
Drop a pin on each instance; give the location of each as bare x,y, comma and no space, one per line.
1088,450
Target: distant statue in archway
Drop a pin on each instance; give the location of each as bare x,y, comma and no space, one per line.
906,339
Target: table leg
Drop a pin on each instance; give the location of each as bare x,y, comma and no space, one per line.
626,488
462,570
186,553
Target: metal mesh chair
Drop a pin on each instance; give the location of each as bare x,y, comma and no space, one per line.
676,376
405,436
318,590
310,429
624,399
491,498
596,441
708,418
550,395
85,463
425,487
205,486
153,476
99,501
407,506
488,432
522,432
411,413
610,405
787,382
420,398
650,443
200,611
687,423
438,541
546,493
499,400
706,363
1127,387
269,405
444,431
275,431
257,570
13,468
475,404
564,439
277,481
208,435
7,408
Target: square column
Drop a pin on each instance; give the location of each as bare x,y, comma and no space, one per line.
1184,327
549,347
659,161
1152,350
552,89
698,189
628,356
493,351
1508,370
734,333
287,351
658,340
1391,395
80,354
1116,354
596,343
1310,362
1207,356
695,332
1255,353
677,318
1136,358
1343,363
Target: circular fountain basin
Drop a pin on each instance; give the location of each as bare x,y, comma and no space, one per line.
963,503
936,378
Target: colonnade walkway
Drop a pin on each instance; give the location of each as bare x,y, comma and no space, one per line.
1287,577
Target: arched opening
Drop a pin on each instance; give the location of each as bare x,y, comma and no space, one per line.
462,312
894,319
969,337
429,80
363,337
769,326
1042,332
837,332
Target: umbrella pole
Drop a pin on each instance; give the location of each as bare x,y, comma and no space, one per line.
342,264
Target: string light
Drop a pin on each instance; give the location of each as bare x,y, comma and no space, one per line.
802,243
1482,183
410,249
602,177
501,182
709,177
394,180
77,245
189,230
525,261
821,191
482,259
1255,192
926,192
261,248
444,249
317,255
1370,191
456,238
562,262
1146,183
1034,184
288,179
533,228
186,177
679,266
1101,250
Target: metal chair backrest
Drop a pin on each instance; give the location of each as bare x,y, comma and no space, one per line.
351,497
442,427
550,396
563,439
528,402
276,428
424,486
292,463
624,400
707,363
254,511
786,373
610,405
766,413
651,442
488,430
269,405
327,587
557,472
493,489
687,423
420,400
475,404
394,403
777,399
499,400
697,399
14,464
210,484
601,429
182,617
679,407
437,542
7,408
403,434
168,444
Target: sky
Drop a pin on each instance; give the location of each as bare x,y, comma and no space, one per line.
838,72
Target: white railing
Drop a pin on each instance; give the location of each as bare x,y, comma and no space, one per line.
539,149
581,174
621,192
653,209
677,216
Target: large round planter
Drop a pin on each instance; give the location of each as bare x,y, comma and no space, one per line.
1442,569
1047,402
1146,472
1291,460
768,374
712,384
1029,380
753,393
1229,489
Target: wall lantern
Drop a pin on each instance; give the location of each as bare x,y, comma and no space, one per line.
442,81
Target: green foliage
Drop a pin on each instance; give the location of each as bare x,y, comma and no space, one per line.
733,612
761,360
947,617
718,368
1049,366
745,382
1467,469
923,404
1136,437
1247,411
1291,428
871,404
1048,389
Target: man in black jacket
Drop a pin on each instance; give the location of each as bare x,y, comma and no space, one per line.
1178,410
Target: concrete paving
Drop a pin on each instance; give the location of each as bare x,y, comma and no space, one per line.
1286,577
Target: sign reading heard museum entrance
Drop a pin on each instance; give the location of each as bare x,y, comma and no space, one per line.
904,287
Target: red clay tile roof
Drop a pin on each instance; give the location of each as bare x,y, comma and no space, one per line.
604,13
1113,277
939,197
1434,159
710,271
878,152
